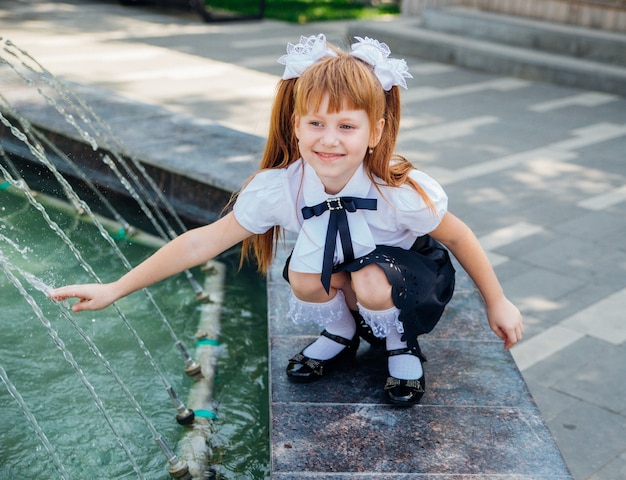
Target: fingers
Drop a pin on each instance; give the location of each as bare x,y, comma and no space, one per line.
508,343
63,293
509,331
72,291
506,321
514,335
82,304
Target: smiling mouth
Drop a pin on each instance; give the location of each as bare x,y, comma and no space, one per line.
329,155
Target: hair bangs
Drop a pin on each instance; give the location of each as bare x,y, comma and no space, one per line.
347,82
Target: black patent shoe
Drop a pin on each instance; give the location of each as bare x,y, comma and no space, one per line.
405,392
302,369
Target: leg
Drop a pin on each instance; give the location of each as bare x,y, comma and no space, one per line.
343,281
310,303
372,288
307,287
405,385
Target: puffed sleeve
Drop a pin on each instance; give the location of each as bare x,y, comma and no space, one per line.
263,202
413,212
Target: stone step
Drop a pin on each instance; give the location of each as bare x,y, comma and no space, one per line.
580,42
410,38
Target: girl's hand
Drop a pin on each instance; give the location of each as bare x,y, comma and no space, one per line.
94,296
506,321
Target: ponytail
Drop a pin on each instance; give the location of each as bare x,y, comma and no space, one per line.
391,168
281,150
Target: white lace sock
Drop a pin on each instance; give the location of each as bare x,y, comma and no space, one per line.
381,321
385,324
404,367
333,315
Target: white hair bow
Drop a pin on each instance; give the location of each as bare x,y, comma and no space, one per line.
303,54
389,71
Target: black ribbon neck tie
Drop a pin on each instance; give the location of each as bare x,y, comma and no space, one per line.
338,222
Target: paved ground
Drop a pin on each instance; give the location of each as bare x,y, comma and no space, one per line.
538,171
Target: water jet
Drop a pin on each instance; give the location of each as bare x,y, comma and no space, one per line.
37,152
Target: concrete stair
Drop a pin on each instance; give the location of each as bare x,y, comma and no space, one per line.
507,45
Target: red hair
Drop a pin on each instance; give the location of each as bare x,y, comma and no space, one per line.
349,83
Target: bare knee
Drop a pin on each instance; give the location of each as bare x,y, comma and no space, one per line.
372,288
308,287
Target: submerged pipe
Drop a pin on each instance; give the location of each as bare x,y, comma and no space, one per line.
195,446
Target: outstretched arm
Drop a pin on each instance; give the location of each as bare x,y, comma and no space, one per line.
185,251
504,317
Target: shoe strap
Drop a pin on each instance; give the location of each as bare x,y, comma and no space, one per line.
407,351
337,338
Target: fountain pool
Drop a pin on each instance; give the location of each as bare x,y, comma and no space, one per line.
101,394
63,407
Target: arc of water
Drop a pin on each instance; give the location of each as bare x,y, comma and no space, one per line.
40,285
73,98
88,269
70,96
160,195
79,173
85,265
168,232
34,423
38,153
10,165
67,355
200,294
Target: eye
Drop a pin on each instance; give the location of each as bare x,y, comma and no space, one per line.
315,123
346,127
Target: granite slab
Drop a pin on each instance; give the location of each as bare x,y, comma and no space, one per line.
477,418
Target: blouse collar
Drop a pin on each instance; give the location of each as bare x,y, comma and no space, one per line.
308,252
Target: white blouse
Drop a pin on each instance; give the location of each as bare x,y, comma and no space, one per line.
275,197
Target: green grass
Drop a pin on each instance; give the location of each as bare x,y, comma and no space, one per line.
304,11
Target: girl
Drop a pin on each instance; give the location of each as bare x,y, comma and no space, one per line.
367,259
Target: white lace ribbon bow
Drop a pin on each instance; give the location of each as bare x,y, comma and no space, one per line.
389,71
301,55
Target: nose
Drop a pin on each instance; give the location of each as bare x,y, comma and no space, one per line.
329,139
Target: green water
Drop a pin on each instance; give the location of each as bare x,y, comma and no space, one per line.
62,405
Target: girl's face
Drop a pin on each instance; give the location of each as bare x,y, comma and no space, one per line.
334,144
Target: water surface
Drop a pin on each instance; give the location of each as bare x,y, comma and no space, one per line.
60,402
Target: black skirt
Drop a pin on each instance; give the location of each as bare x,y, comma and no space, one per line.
422,282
